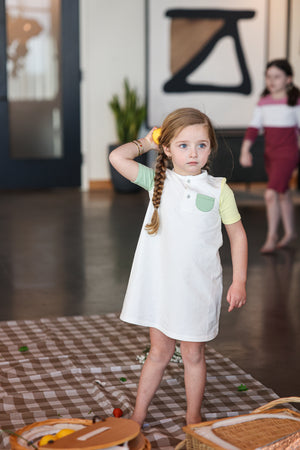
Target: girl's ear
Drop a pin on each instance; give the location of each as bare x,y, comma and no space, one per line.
167,151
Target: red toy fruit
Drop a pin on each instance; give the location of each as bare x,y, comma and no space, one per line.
117,412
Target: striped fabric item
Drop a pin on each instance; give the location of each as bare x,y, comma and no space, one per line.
272,114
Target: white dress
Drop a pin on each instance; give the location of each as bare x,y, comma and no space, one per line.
175,283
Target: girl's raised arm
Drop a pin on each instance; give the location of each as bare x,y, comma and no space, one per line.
122,158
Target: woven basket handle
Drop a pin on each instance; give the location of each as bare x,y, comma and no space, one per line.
279,401
181,445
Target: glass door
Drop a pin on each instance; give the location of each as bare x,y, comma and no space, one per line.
39,94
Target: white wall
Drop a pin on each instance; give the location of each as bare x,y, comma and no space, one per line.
112,47
295,40
112,35
278,17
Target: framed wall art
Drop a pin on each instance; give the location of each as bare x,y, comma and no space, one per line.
210,55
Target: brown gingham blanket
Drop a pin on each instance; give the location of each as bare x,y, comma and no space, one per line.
84,366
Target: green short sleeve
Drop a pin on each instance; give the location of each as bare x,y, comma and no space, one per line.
145,178
228,209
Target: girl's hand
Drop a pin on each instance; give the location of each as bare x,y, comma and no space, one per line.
246,159
236,296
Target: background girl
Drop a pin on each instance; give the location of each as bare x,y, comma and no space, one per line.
278,113
175,286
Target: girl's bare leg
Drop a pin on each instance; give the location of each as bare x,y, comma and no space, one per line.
193,356
287,214
273,218
161,351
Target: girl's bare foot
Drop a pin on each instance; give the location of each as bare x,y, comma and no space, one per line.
270,245
287,240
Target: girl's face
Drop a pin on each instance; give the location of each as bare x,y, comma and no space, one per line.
277,81
189,150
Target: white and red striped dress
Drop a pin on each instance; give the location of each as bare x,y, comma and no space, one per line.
280,124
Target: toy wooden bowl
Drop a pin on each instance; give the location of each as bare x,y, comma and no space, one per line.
86,436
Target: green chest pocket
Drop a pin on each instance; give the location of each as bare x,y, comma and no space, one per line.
204,202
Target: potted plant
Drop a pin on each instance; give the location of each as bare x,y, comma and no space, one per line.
129,116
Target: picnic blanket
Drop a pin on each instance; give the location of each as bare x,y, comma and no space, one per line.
84,366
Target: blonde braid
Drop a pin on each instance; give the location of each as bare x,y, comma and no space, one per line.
159,179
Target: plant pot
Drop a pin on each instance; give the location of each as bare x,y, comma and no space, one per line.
120,183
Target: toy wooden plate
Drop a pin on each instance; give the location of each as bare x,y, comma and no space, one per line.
106,433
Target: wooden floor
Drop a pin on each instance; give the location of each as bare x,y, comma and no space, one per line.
64,253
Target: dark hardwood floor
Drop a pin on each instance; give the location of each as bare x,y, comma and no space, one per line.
64,252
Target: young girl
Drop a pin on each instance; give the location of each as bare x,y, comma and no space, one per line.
175,286
278,113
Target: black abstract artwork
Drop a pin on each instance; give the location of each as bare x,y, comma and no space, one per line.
194,34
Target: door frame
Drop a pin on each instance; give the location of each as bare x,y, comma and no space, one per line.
47,173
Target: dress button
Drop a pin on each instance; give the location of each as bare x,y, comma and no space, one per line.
188,180
188,196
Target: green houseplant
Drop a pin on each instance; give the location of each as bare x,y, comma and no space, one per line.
129,114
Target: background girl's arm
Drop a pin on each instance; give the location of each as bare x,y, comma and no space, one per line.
122,158
251,134
236,295
246,159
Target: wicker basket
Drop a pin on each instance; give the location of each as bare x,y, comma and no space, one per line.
18,441
276,429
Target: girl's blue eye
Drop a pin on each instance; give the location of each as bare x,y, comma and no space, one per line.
182,145
202,145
